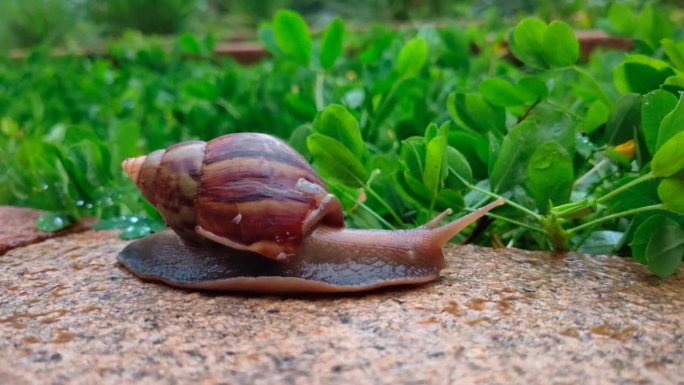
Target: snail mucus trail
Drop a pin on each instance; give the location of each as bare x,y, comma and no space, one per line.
247,212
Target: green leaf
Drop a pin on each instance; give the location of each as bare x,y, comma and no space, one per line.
474,149
517,147
503,93
268,40
672,123
298,139
417,188
412,57
542,46
626,116
655,106
457,54
622,18
669,159
533,88
674,84
9,127
430,132
435,164
597,115
413,155
665,250
643,234
671,193
52,222
405,190
476,113
643,194
331,46
655,25
335,161
526,42
551,175
675,52
641,74
601,242
338,123
560,46
459,165
293,36
189,44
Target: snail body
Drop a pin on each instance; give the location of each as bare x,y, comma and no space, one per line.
308,250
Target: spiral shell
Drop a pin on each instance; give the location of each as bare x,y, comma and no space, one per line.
246,191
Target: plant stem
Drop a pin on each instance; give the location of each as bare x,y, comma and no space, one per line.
527,112
318,91
591,172
565,111
518,223
370,211
380,114
497,196
626,186
573,230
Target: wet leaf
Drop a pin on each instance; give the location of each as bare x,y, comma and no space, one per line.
665,250
551,175
672,123
644,233
654,107
517,148
52,222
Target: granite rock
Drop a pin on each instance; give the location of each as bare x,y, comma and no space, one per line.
18,227
69,314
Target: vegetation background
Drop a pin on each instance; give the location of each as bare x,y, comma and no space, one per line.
405,107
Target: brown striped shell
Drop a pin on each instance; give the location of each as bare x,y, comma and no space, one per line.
246,191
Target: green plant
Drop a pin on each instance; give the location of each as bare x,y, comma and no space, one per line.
147,16
29,23
587,158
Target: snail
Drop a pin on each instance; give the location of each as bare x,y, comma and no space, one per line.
247,212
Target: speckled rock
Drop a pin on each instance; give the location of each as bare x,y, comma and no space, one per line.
18,228
70,314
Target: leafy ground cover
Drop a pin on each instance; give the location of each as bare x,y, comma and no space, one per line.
400,124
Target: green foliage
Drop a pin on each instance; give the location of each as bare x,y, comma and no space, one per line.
332,43
550,173
412,57
27,23
292,35
54,222
401,126
669,159
147,16
656,105
544,46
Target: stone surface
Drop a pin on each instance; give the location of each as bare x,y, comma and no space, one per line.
70,314
18,228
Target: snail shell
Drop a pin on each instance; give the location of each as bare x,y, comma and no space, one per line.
246,191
